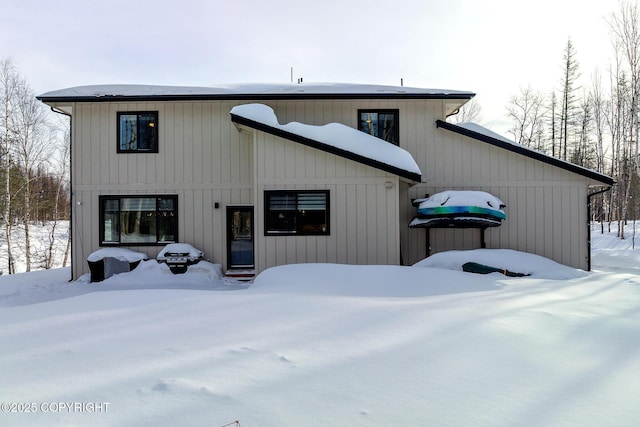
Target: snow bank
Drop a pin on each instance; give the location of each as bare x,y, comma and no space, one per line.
520,262
154,275
322,344
366,281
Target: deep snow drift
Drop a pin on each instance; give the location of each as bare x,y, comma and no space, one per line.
317,345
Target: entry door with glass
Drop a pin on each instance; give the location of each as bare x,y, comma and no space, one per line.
240,237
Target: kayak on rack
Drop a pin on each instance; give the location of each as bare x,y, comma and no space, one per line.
463,209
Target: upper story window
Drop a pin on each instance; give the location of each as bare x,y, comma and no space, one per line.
383,124
138,220
297,212
138,132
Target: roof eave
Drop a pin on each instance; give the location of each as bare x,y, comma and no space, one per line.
588,173
463,96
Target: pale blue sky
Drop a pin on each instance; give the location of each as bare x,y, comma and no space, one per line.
490,47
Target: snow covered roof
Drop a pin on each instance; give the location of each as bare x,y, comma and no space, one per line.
480,133
253,91
334,138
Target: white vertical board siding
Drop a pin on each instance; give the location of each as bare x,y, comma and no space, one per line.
202,158
363,212
546,206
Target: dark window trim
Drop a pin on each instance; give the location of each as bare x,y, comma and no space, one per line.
267,232
138,150
394,111
137,196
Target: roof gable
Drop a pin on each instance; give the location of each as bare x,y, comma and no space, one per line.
334,138
477,132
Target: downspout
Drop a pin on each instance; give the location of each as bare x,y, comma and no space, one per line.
58,111
589,197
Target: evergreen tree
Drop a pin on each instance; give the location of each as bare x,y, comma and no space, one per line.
570,75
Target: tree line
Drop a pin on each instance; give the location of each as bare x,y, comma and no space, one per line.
34,161
595,125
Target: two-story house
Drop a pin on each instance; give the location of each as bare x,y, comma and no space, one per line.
264,175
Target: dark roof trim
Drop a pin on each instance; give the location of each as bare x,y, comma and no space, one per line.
326,148
253,97
513,147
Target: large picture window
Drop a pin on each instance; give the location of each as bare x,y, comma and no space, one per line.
380,123
138,220
297,212
138,132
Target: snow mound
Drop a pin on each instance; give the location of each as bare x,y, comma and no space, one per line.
118,253
520,262
366,281
153,275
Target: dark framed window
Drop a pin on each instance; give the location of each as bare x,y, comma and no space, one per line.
138,220
138,132
296,212
383,124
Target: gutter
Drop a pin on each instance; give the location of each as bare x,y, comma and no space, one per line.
252,97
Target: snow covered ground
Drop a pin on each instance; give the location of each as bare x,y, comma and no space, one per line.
41,235
318,345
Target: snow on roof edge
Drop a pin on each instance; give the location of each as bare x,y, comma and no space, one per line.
337,137
529,152
245,90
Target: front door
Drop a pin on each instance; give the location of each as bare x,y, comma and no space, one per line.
240,237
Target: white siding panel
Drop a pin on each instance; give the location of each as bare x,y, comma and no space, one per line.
543,202
202,152
339,224
360,228
351,225
194,161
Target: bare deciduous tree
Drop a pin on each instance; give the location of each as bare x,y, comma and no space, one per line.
584,153
8,89
25,147
625,28
61,179
527,112
599,109
469,112
30,126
